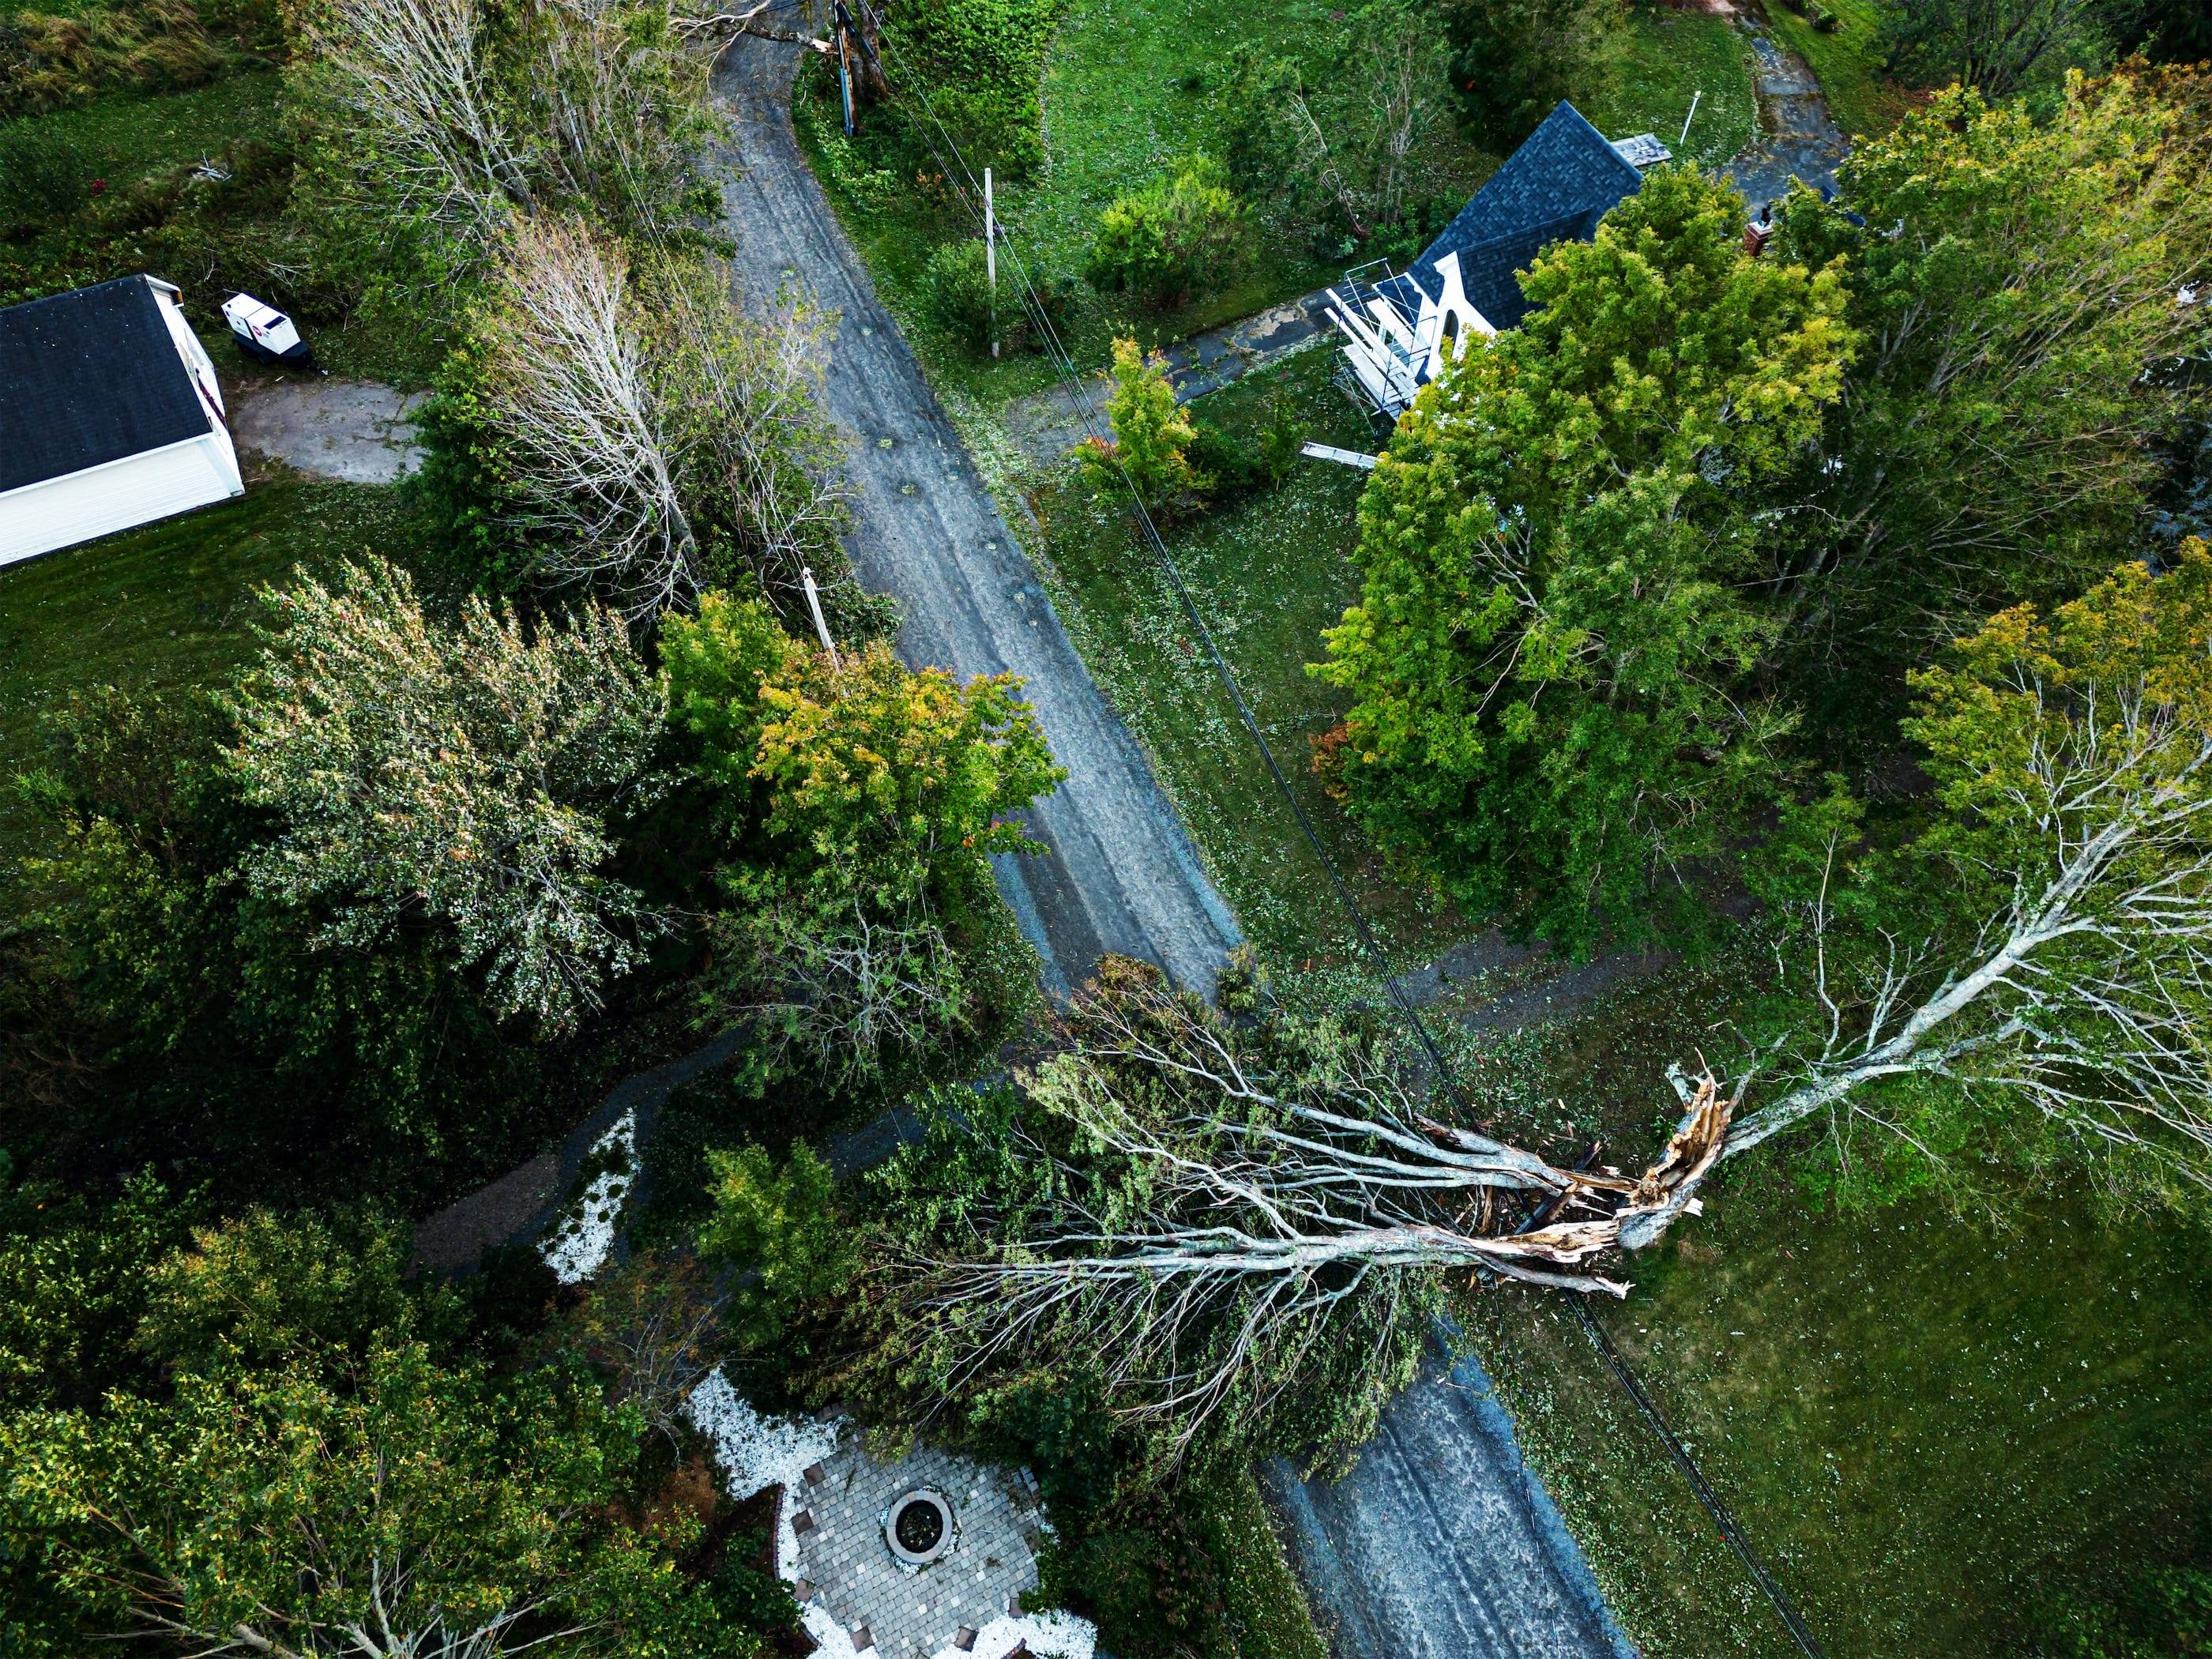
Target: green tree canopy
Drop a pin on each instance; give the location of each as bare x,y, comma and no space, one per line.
861,800
2016,285
162,1010
278,1509
465,775
1512,60
779,1227
1550,660
1152,436
2020,968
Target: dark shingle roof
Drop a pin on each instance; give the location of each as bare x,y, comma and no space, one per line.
87,377
1558,185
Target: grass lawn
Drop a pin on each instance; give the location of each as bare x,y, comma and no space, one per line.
163,608
1129,86
1664,60
121,136
1848,61
1268,575
1928,1425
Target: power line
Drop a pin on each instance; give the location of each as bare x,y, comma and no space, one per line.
1736,1539
1064,366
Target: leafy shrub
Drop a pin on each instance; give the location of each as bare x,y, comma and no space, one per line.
1059,1426
1228,471
870,188
1177,235
779,1230
1149,1580
1282,441
981,62
1152,437
956,287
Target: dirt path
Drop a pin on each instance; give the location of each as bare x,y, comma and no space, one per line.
1119,873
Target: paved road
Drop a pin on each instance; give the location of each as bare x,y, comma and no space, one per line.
1119,873
1441,1543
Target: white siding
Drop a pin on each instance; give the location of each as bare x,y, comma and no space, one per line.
188,344
100,499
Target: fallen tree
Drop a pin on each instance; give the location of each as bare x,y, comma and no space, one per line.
1200,1205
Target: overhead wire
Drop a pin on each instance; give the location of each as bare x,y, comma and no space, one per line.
961,178
970,190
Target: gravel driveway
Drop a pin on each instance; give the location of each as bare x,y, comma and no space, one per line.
1119,874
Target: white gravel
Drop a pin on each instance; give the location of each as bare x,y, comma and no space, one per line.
576,1248
758,1452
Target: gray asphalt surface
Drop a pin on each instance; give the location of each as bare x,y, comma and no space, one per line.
1119,873
1441,1543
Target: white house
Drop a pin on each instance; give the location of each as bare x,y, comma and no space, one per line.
110,417
1397,327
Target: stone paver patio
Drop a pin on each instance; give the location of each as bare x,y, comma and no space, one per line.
845,1565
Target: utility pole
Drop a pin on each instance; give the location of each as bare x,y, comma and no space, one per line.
991,258
821,625
845,70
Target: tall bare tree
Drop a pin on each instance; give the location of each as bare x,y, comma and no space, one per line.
596,452
641,423
414,76
571,102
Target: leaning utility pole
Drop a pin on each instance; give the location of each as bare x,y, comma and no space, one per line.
845,68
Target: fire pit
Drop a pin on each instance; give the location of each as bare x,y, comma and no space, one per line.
919,1527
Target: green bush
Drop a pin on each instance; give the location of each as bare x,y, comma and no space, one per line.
1228,471
955,287
1149,1580
981,62
1177,235
779,1230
